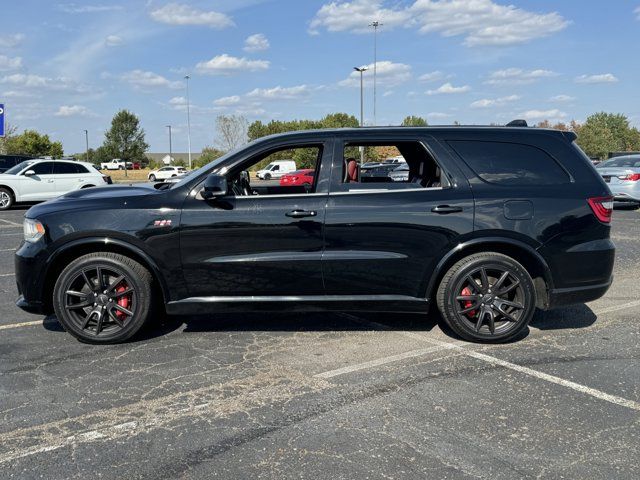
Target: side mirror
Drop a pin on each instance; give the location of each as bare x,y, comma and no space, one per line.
215,186
29,173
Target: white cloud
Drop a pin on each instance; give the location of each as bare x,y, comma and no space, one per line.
388,74
11,40
562,98
227,101
388,93
43,83
141,79
280,93
179,14
447,89
256,43
599,78
8,63
553,115
517,76
75,8
113,41
480,22
494,102
227,65
73,111
433,76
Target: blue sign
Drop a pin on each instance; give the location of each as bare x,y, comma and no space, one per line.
1,119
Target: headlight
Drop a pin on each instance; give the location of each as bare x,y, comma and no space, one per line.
33,230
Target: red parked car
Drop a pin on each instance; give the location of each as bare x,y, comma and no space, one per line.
299,177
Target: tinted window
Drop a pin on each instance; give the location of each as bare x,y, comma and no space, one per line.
64,168
80,168
43,168
510,163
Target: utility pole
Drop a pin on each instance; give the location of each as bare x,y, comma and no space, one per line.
375,26
170,150
86,137
187,77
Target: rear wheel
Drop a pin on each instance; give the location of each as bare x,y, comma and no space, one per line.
487,297
103,297
6,198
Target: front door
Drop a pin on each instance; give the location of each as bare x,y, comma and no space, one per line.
384,237
261,240
38,187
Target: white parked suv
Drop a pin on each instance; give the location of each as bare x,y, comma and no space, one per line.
38,180
166,172
276,169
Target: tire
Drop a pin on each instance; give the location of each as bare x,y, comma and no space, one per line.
6,198
90,314
152,178
121,168
470,305
267,176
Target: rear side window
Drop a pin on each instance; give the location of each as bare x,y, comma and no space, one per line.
510,163
64,168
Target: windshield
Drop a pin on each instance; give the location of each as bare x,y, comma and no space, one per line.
19,167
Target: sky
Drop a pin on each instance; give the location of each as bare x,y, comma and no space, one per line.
66,67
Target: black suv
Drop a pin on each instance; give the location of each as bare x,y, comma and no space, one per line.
491,223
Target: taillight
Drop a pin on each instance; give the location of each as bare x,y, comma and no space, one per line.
602,208
633,177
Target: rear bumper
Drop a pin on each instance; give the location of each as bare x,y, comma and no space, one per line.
626,192
559,297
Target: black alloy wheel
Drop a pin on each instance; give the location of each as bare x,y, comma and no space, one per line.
487,297
103,297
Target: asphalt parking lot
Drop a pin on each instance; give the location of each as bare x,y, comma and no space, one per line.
325,395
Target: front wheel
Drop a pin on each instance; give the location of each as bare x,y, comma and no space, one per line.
267,176
152,178
103,297
6,199
487,297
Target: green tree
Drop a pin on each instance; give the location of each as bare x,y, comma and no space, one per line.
605,132
33,143
125,139
208,155
414,121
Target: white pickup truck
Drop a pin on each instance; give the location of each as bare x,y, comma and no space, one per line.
115,164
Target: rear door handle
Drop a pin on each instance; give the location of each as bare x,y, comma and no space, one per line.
444,209
301,213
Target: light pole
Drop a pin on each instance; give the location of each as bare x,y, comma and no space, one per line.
375,26
86,137
170,150
361,70
187,77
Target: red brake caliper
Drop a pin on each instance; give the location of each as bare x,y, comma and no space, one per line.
468,303
123,301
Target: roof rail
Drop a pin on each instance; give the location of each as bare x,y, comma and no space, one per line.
517,123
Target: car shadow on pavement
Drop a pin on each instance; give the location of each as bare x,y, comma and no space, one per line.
579,316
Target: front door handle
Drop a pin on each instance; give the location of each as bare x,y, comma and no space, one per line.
301,213
444,209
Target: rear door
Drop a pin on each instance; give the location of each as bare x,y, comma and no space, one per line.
384,238
66,177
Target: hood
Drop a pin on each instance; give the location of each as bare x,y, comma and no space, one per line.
97,197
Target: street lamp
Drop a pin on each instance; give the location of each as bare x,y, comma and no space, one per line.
375,26
86,137
361,70
170,150
187,77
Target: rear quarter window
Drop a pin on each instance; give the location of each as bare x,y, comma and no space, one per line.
511,164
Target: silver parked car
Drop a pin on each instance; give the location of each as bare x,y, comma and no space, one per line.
622,175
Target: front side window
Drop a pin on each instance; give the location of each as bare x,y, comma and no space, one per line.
512,164
42,168
245,181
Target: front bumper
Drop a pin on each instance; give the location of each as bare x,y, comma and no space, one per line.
30,265
33,306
